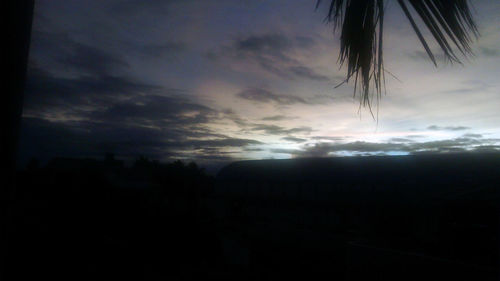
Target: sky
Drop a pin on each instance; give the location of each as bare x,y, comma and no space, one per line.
219,81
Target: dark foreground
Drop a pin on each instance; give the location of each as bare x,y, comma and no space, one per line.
96,222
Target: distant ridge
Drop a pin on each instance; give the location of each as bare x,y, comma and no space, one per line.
429,167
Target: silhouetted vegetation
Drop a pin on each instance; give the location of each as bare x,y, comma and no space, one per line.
92,219
406,217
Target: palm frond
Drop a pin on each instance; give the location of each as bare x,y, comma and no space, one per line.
361,40
447,20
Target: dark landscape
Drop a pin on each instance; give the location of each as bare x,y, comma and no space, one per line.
251,140
353,218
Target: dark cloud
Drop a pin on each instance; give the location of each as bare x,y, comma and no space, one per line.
471,86
67,78
294,139
316,150
277,118
440,150
467,90
252,149
472,135
60,52
422,56
167,49
403,140
265,96
44,139
284,151
278,130
461,91
86,116
78,103
303,129
156,110
306,72
487,148
360,146
448,128
47,93
125,9
325,149
226,142
268,45
231,115
414,136
275,53
487,52
443,145
90,60
304,42
327,138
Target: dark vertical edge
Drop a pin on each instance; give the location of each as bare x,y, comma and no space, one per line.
17,24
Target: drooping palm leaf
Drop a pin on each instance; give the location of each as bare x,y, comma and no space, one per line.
361,40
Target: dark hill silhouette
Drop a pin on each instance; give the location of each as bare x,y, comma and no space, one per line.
479,167
400,218
430,214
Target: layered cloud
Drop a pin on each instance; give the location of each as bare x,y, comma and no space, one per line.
279,130
447,128
265,96
394,146
220,81
274,53
99,108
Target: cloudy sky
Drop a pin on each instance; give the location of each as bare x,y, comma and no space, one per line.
217,81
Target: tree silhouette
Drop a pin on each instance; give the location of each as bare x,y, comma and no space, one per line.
361,40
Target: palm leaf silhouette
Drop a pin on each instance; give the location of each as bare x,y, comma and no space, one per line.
361,39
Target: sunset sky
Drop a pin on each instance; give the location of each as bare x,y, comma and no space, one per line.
217,81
